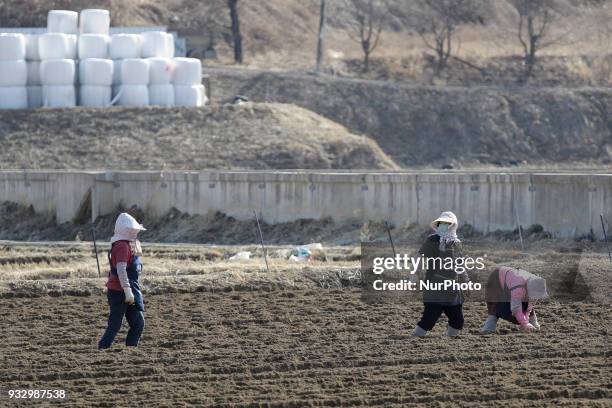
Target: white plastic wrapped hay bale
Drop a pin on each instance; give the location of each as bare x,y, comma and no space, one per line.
59,96
32,47
187,71
155,44
55,46
13,97
94,21
117,71
13,73
93,46
57,72
33,69
123,46
63,21
135,71
96,71
161,71
134,95
170,39
12,46
95,96
161,95
34,96
189,95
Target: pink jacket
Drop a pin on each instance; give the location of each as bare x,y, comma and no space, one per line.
512,279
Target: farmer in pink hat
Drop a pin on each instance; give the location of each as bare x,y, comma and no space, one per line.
124,295
442,244
511,295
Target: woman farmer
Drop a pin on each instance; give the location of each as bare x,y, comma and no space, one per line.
438,247
511,295
124,296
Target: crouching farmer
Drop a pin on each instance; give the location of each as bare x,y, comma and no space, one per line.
439,246
124,296
511,295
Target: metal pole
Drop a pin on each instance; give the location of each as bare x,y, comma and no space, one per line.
603,227
519,228
390,238
263,248
93,232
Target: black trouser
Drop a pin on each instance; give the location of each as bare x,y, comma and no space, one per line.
432,313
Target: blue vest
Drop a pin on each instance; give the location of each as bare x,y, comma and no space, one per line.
134,269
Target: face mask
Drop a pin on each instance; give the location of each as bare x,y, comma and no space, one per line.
442,229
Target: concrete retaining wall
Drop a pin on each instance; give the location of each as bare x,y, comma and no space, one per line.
566,204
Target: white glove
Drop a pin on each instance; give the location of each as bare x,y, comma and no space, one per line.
129,296
527,328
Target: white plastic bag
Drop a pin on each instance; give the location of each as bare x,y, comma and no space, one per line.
13,97
93,46
134,95
241,256
135,72
189,95
12,46
95,96
161,95
13,73
94,21
57,72
123,46
161,70
62,96
96,71
62,21
188,71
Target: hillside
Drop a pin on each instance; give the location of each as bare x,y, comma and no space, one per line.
283,33
424,125
249,136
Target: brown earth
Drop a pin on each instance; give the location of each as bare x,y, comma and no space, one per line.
248,136
301,348
431,126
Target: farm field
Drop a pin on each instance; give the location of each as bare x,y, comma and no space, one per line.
220,333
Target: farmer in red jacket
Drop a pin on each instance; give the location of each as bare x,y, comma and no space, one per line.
124,296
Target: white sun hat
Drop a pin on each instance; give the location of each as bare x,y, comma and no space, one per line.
126,221
446,216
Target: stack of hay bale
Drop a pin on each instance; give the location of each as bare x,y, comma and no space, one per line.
13,72
123,69
58,52
33,62
95,68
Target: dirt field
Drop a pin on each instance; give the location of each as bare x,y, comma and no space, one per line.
302,348
229,334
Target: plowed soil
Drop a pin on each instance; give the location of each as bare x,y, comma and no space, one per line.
295,348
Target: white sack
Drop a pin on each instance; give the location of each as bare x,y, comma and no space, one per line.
12,46
134,95
13,97
189,95
135,72
187,71
161,95
33,73
34,96
94,21
96,71
161,71
57,72
93,46
155,44
62,21
55,46
62,96
124,46
95,96
32,47
13,73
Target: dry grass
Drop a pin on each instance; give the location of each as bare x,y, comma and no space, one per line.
248,136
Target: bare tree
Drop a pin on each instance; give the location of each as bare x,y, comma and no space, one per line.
368,20
535,20
236,35
438,21
321,41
